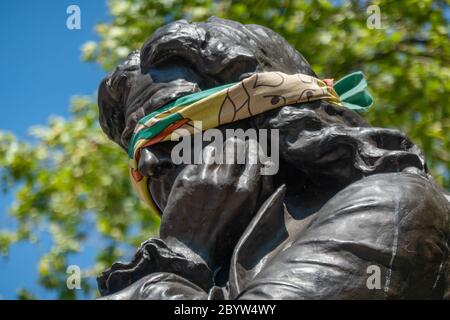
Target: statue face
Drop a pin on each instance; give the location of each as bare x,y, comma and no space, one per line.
147,91
159,85
156,163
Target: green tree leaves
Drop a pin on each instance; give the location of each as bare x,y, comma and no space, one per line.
71,178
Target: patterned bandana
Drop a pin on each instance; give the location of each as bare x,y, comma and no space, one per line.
236,101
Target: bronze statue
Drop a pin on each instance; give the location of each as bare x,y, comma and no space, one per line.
347,196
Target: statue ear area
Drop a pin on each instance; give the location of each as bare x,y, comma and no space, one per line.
111,113
112,94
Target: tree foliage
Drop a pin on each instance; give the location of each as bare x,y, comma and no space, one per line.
71,177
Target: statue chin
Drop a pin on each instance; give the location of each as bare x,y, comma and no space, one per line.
352,213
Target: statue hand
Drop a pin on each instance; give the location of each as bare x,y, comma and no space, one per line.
211,204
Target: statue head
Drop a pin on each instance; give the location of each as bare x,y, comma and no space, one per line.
320,143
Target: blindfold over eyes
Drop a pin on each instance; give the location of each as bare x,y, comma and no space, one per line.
236,101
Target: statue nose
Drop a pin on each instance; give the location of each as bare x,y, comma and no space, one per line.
153,164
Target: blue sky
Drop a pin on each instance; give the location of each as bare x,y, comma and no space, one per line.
41,71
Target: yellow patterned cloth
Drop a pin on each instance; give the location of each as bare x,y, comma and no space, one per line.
221,105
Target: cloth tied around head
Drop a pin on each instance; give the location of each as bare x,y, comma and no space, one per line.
236,101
